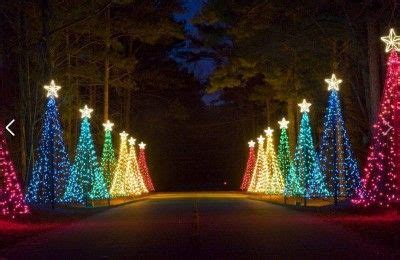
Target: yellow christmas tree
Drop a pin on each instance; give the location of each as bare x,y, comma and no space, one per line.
275,184
118,184
136,184
259,178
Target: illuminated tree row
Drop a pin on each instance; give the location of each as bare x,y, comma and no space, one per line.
275,183
144,170
251,161
381,180
12,202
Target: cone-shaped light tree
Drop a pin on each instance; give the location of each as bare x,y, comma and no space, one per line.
12,202
275,184
259,178
305,177
251,162
108,160
381,179
337,160
119,185
52,166
87,180
284,158
144,170
133,169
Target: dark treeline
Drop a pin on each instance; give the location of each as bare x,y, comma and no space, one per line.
115,57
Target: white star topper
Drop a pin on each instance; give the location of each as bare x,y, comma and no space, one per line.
251,143
269,131
304,106
86,111
283,124
392,41
124,135
260,139
108,126
142,145
52,89
132,141
333,83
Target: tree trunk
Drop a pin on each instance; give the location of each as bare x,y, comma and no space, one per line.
44,43
127,109
373,64
291,111
107,42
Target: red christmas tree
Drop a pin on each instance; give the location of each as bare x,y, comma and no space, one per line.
12,201
381,180
251,161
144,170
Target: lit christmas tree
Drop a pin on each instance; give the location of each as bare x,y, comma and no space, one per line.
336,156
118,185
52,166
284,159
251,161
144,170
305,176
380,183
133,171
275,184
12,201
108,160
87,180
259,177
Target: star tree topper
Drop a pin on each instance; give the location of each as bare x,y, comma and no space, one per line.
108,126
283,124
52,89
124,135
392,41
142,145
269,131
260,139
132,141
86,111
304,106
333,83
251,143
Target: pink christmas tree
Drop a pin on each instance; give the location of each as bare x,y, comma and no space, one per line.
144,170
251,162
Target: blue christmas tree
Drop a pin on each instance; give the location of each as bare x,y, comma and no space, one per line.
336,156
52,166
305,177
87,180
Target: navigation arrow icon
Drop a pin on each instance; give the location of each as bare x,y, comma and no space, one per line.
8,127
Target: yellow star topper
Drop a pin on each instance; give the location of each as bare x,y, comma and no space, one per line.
251,143
283,124
108,126
124,135
260,139
333,83
132,141
392,41
269,131
142,145
52,89
304,106
86,111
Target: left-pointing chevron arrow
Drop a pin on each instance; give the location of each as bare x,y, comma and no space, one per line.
8,127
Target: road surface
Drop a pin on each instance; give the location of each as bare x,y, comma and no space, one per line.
203,225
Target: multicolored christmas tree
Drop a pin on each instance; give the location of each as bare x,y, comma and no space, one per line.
336,156
284,158
251,161
381,179
133,171
275,183
120,186
144,170
259,177
108,160
305,176
12,201
87,180
52,166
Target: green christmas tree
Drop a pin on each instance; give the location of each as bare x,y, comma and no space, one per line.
284,149
305,176
108,160
87,180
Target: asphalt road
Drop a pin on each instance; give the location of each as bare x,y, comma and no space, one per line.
206,225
